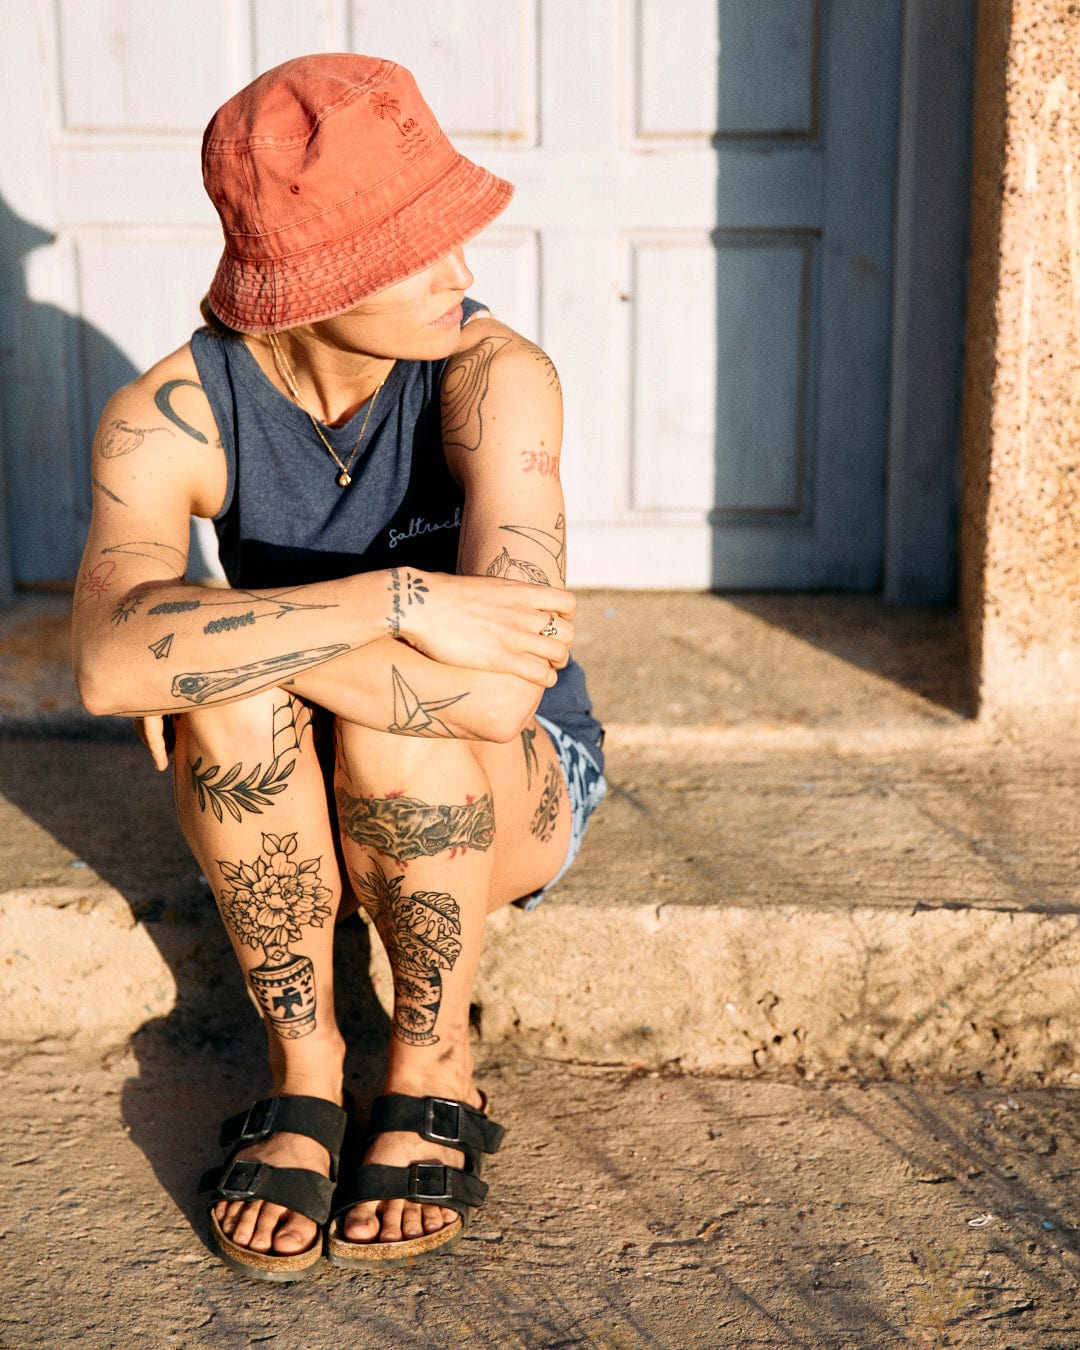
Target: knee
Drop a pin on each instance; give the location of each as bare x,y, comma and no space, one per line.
245,723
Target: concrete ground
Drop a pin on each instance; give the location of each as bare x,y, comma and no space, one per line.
788,1060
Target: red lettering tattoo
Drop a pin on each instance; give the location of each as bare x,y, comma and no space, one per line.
541,462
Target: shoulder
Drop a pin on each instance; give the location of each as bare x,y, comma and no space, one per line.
169,392
493,348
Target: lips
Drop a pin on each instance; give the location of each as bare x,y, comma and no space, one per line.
451,318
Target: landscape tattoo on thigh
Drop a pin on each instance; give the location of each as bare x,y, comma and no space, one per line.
406,827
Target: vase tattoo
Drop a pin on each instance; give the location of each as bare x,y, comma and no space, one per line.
421,934
271,901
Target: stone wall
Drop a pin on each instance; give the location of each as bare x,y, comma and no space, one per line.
1020,539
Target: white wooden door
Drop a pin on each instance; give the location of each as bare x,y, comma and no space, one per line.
700,237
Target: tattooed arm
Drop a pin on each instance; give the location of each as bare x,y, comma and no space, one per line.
146,641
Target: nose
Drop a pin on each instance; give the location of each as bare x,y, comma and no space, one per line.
456,270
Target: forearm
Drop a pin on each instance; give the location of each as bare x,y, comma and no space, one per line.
389,686
171,647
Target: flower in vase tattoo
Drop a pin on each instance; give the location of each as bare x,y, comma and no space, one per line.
421,935
272,901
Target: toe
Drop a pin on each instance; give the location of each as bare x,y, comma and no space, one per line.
390,1221
244,1223
412,1220
294,1233
361,1224
435,1219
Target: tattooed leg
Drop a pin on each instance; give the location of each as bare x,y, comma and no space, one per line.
251,800
435,833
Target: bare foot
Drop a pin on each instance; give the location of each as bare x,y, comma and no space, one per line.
260,1225
400,1220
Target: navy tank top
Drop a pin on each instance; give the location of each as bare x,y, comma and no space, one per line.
285,520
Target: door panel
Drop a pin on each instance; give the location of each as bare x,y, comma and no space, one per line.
700,237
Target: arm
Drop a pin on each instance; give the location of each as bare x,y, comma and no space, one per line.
502,428
146,641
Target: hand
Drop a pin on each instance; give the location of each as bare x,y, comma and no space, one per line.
487,623
156,733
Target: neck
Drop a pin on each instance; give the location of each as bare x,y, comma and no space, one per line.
328,383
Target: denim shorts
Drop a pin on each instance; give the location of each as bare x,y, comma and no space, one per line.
585,788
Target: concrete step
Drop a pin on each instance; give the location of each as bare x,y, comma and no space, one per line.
835,872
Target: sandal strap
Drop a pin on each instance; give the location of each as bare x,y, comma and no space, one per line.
440,1120
424,1183
295,1188
313,1117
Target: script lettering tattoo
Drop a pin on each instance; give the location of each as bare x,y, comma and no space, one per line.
395,603
163,554
421,934
270,903
120,439
414,716
98,580
207,686
540,461
464,388
528,736
405,828
547,813
551,542
107,491
125,609
162,397
162,647
505,566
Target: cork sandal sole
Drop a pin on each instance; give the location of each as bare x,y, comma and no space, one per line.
272,1267
380,1255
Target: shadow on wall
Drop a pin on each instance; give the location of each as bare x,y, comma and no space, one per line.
57,372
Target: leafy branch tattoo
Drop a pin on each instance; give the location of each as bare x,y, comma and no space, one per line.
270,903
235,794
421,934
206,686
551,541
120,439
505,566
405,828
547,812
464,388
413,716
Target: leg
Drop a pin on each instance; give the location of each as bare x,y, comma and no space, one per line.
436,833
252,802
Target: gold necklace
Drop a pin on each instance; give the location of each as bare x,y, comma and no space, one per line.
286,372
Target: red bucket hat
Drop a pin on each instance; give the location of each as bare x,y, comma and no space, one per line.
333,180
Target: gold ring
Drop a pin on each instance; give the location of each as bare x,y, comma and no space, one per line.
550,630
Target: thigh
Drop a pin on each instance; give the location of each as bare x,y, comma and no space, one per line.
532,812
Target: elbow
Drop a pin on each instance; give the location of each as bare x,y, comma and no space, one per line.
97,695
509,711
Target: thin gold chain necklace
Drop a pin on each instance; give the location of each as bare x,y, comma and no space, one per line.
286,373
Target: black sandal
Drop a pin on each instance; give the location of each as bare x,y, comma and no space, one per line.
297,1188
440,1121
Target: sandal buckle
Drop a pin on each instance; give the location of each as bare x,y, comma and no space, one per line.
259,1121
448,1129
428,1181
242,1180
